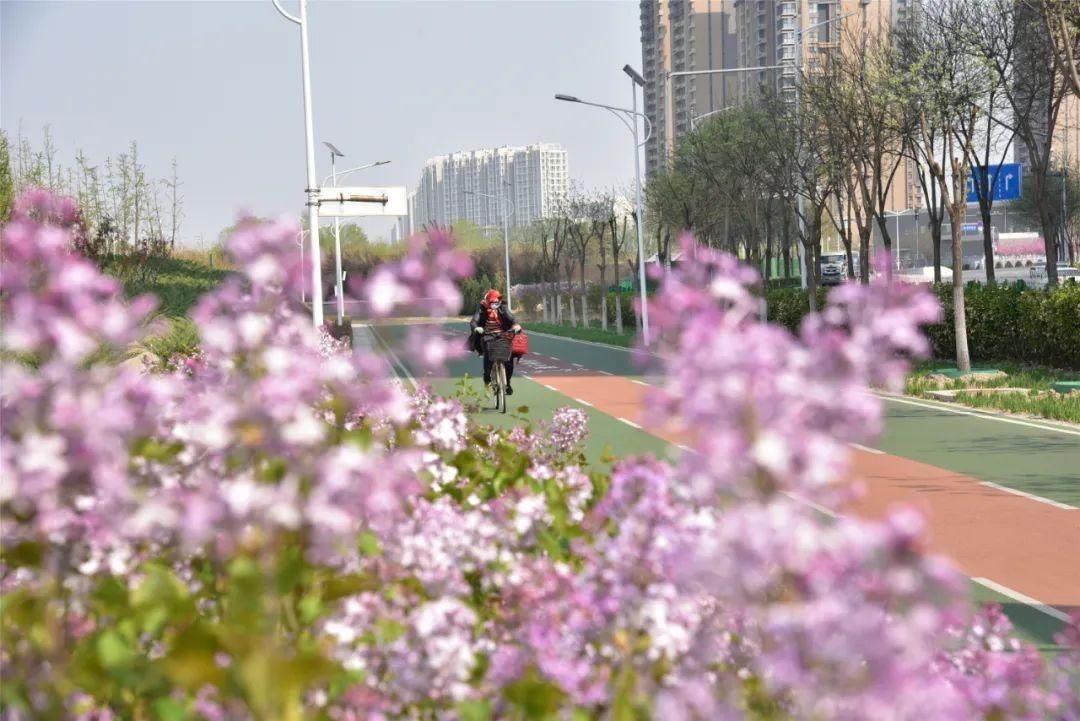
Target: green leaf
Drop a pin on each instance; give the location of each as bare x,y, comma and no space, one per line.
169,709
191,663
474,710
349,585
369,544
113,651
536,697
26,553
389,630
310,608
291,566
154,450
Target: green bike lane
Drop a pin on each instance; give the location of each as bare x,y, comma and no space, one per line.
1031,456
971,445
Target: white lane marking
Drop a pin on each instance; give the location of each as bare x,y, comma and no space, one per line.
584,403
553,357
606,346
1031,496
629,423
812,504
984,416
1026,600
640,383
686,448
1003,590
550,388
577,365
868,449
605,373
394,360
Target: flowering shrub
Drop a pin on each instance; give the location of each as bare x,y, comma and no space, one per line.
276,530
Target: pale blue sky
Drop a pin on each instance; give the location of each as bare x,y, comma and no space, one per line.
217,85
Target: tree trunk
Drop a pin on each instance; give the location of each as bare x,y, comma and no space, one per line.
963,359
787,244
988,243
864,254
1044,203
768,246
935,241
618,285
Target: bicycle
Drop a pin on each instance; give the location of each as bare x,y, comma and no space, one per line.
498,348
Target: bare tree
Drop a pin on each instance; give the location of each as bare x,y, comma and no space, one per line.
582,226
601,215
948,84
1061,19
618,240
176,204
1035,91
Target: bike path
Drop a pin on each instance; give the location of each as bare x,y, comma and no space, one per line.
1036,457
566,379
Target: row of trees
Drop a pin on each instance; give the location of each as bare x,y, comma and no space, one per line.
124,209
590,228
933,97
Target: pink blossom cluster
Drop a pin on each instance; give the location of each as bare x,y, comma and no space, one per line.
279,530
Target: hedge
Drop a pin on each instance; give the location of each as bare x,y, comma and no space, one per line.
1005,322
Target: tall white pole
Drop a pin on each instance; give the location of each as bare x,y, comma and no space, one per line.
898,241
338,281
506,247
312,189
640,221
800,209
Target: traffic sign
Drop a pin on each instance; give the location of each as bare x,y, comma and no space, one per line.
358,202
1004,181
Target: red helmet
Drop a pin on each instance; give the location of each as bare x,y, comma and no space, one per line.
492,296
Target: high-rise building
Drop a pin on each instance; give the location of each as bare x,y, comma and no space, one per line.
736,35
679,36
475,185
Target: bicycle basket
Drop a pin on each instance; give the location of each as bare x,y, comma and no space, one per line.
520,345
499,348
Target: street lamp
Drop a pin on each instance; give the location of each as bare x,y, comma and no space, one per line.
312,191
339,282
506,235
896,214
709,114
629,117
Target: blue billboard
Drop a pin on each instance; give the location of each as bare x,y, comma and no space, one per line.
1004,180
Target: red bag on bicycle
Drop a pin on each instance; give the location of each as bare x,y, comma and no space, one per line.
520,345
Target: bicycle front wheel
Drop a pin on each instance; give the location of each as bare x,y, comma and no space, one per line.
500,386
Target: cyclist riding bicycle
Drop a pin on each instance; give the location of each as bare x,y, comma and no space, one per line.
493,317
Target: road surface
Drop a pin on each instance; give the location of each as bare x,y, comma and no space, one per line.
1000,494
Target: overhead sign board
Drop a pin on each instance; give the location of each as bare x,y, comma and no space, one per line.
362,202
1004,181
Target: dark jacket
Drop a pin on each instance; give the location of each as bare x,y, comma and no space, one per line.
506,320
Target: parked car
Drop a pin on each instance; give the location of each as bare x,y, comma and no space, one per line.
1038,271
1067,271
833,268
926,275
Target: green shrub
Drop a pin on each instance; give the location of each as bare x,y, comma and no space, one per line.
473,290
788,306
182,339
1004,322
